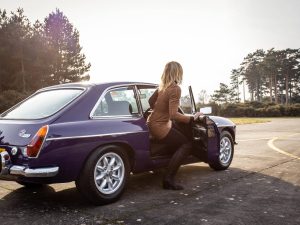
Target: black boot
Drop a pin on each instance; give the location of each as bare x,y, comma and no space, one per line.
176,160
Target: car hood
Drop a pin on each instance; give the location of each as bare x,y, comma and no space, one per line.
221,121
18,132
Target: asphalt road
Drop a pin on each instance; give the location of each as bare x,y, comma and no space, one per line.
262,186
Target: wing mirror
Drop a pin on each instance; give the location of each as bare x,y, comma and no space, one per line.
206,110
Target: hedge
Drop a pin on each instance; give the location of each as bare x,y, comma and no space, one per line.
255,109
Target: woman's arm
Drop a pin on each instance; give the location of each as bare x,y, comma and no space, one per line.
174,99
153,99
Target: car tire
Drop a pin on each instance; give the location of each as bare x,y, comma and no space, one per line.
30,185
226,152
104,175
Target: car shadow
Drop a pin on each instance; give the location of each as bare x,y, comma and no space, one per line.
61,203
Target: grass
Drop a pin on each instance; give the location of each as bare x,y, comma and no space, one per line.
249,120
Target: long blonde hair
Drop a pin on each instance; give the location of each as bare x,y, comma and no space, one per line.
172,74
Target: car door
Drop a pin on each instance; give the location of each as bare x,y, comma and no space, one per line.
206,135
118,112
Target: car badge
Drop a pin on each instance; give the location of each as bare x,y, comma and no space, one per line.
23,134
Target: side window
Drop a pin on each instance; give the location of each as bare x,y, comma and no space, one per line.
117,102
145,93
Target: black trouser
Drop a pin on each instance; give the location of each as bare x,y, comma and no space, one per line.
181,147
175,138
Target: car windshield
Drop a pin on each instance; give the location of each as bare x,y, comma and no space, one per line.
43,104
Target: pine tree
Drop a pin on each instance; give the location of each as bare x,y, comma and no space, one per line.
69,64
223,95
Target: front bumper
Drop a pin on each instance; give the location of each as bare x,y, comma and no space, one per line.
7,168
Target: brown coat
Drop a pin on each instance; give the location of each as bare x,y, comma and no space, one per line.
165,108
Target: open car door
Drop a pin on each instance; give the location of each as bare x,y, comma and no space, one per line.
206,136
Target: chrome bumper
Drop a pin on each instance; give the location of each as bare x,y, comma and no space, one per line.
37,172
8,169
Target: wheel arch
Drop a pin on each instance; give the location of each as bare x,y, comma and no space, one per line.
230,130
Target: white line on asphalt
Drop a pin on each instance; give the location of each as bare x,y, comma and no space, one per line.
267,138
272,146
254,139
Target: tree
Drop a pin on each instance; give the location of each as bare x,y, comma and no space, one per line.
272,72
289,68
223,95
235,83
63,38
203,97
252,72
185,103
271,68
30,58
14,34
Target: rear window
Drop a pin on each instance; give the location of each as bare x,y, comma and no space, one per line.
43,104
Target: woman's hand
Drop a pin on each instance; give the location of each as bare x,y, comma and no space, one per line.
197,115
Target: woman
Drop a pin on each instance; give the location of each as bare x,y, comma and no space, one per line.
164,102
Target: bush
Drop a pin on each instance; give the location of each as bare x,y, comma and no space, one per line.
293,110
273,111
255,109
260,112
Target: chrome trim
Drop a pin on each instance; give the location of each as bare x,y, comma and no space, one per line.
136,92
137,89
133,117
95,135
61,87
38,172
7,168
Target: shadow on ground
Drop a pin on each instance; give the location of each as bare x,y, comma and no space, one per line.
232,196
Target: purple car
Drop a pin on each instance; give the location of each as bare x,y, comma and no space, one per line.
96,135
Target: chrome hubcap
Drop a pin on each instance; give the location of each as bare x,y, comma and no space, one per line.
225,150
109,173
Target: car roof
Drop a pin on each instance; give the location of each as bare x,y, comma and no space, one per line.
91,84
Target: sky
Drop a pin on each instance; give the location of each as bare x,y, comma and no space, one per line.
132,40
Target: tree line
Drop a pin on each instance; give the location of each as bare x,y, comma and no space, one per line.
271,76
35,55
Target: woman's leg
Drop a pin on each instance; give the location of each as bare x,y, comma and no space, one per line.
175,139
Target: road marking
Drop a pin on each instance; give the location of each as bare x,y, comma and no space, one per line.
267,138
254,139
272,146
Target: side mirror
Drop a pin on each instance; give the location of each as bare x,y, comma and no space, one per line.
206,110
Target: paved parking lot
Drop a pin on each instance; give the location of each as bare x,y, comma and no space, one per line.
261,187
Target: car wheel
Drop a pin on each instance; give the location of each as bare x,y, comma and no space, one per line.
104,176
30,185
226,152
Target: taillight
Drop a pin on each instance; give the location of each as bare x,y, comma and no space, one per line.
37,141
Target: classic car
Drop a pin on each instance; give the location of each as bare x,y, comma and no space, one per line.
96,135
